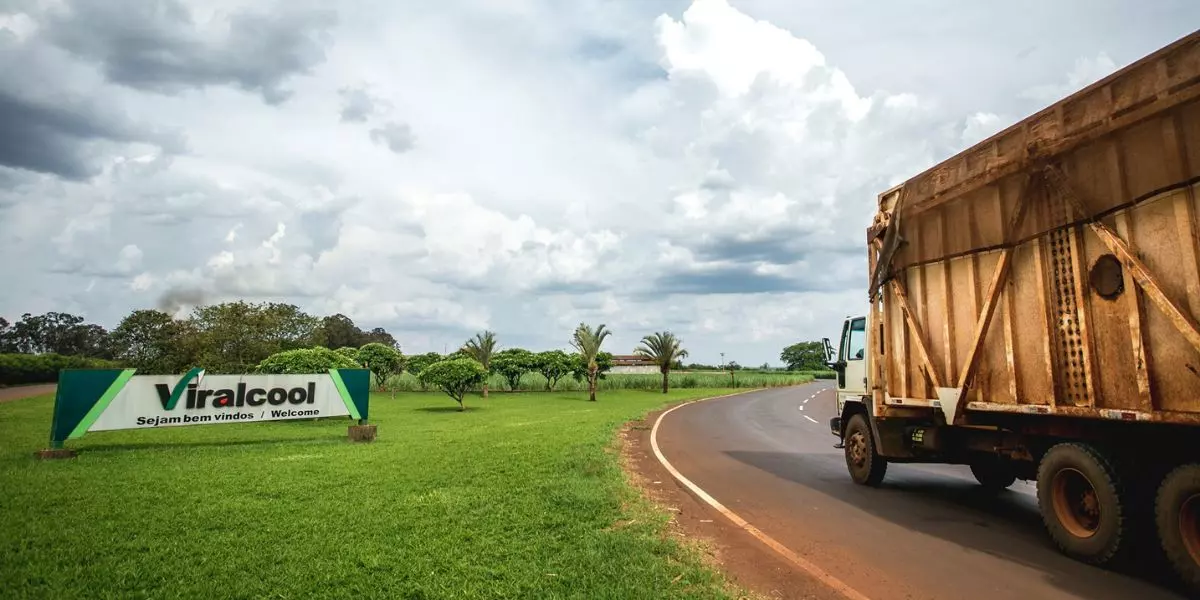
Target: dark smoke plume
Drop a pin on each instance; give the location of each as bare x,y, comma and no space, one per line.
178,297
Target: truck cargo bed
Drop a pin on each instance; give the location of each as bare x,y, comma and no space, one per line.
1053,268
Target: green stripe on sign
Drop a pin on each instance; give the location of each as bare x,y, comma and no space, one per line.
99,407
344,393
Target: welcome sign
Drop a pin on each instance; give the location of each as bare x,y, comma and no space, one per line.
109,399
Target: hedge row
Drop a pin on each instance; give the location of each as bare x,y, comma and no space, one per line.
16,369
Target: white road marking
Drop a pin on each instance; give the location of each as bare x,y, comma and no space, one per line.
811,419
800,562
801,407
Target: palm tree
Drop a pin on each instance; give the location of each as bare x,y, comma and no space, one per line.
481,347
587,341
664,349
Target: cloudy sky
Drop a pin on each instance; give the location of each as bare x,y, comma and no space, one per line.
707,167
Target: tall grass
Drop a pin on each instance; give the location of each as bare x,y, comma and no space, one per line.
534,382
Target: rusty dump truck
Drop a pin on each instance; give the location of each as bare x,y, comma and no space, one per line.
1034,308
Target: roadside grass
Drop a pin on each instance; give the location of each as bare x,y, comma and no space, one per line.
522,496
535,382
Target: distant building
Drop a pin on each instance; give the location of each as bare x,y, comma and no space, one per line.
632,363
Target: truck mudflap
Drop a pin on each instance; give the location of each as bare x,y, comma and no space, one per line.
835,427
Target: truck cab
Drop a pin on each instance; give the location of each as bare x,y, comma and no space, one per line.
849,361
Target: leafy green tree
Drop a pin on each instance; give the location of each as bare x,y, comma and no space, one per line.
236,336
553,365
481,348
8,342
58,333
305,360
38,334
455,377
154,343
587,342
380,335
512,364
382,360
287,327
348,352
416,364
664,349
339,331
89,340
804,356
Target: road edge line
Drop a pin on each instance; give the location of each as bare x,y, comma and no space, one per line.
816,572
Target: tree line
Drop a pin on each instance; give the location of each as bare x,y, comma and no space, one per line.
230,337
271,337
470,366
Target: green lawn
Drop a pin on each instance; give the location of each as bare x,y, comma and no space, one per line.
515,498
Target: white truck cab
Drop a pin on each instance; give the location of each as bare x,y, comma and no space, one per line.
850,363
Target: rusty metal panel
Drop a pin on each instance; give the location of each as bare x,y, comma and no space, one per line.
1175,365
1115,373
992,377
897,351
1145,154
1189,125
934,318
1031,330
918,384
1124,104
965,306
1090,206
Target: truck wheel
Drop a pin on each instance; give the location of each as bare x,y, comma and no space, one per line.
1079,496
993,474
866,466
1177,514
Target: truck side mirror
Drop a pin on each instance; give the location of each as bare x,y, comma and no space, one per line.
831,358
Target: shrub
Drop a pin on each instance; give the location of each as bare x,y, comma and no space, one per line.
305,360
455,377
553,365
417,363
18,369
348,352
382,360
512,364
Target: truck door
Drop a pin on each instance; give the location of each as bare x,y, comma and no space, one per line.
852,381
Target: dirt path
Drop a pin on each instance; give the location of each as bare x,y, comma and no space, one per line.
25,391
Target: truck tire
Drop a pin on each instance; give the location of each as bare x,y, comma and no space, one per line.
993,474
1177,516
1080,498
866,466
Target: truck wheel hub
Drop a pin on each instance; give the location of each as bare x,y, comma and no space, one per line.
1189,525
857,448
1075,503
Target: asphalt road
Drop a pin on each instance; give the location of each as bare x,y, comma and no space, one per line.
929,532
